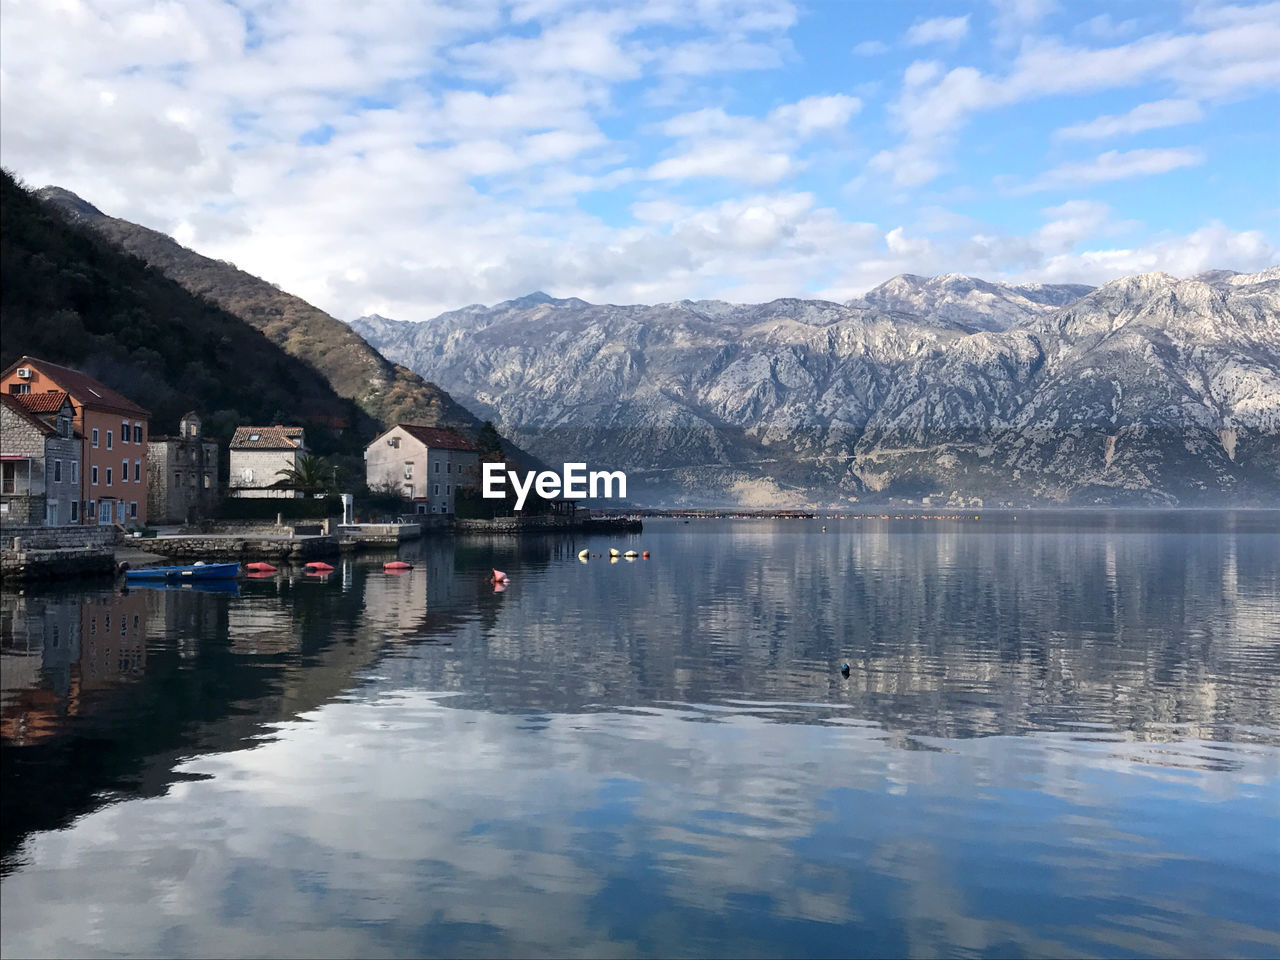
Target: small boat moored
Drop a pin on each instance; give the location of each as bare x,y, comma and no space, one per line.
194,571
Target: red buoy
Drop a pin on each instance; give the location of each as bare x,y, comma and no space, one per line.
645,555
319,566
260,567
498,577
397,566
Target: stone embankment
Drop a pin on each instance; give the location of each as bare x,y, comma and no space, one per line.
33,553
234,547
548,523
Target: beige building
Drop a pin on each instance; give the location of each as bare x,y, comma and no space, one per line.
424,464
40,459
182,474
258,454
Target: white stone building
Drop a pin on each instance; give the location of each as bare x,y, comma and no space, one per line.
424,464
256,457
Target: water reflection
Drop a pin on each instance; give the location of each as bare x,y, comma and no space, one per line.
1058,738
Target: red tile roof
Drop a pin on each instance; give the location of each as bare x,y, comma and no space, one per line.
437,437
11,401
84,390
48,402
268,438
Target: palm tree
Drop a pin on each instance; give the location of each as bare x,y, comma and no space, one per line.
308,476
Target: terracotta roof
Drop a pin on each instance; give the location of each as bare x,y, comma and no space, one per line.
84,390
48,402
267,438
12,403
436,437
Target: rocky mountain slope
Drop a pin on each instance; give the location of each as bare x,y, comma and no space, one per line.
388,393
1149,389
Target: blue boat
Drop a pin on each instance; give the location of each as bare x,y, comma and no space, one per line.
195,571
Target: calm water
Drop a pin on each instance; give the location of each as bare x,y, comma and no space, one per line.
1058,736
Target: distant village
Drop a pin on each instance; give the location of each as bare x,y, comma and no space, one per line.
77,453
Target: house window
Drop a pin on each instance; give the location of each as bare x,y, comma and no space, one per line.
254,437
124,431
93,474
448,467
104,511
206,481
437,466
10,473
137,471
64,426
95,438
108,476
124,471
408,491
75,511
177,479
408,469
137,433
133,509
435,490
57,471
51,513
110,439
247,475
19,388
75,471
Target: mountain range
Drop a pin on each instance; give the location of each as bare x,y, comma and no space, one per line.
1149,389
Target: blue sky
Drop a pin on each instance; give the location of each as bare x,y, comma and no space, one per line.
412,157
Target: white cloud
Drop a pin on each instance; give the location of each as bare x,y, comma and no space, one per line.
938,30
1231,59
870,48
465,152
717,144
1145,116
1116,165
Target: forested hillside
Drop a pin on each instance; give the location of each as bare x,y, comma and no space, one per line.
386,391
69,296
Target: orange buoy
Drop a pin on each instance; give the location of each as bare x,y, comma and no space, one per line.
260,566
645,555
319,566
498,577
397,566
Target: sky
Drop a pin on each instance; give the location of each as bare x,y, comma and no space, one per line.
410,158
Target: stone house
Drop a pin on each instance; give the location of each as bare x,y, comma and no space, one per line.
182,474
39,461
424,464
258,454
113,431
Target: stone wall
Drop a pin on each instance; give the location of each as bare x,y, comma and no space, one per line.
30,552
264,467
514,524
184,549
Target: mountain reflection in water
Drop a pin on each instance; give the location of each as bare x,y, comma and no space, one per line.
1059,735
